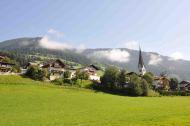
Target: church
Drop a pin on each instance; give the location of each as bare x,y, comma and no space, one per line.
141,66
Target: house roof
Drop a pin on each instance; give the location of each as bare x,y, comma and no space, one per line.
131,73
51,62
93,66
2,57
161,78
4,63
184,83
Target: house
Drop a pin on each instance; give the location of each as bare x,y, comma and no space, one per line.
92,71
161,82
4,66
184,85
56,68
33,64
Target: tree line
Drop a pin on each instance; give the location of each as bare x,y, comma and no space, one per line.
115,80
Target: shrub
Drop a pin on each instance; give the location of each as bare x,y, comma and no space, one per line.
57,81
36,73
149,77
152,93
175,93
66,74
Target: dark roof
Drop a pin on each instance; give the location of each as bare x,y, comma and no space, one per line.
131,73
184,83
141,62
4,63
95,67
47,64
2,57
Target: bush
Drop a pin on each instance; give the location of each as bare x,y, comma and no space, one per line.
152,93
58,81
68,81
36,73
175,93
66,74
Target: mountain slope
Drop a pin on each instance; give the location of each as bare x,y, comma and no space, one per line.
29,49
153,61
124,58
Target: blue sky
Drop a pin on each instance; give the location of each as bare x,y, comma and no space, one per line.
161,26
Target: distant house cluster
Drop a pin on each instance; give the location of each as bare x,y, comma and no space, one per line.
57,68
160,82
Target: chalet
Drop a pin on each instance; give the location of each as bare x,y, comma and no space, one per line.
33,64
4,66
161,83
56,68
184,85
92,71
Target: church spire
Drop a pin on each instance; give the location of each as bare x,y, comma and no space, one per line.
141,65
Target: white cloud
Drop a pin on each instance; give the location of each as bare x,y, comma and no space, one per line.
132,45
115,55
155,59
177,56
46,42
80,48
49,41
55,32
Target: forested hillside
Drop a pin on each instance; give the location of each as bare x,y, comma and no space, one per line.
28,49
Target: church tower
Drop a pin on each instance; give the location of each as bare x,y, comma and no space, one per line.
141,66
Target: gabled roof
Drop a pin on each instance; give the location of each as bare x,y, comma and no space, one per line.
2,57
51,62
184,83
131,73
156,78
93,66
5,63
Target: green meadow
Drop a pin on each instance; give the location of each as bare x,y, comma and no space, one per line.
24,102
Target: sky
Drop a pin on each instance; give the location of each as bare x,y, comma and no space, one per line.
161,26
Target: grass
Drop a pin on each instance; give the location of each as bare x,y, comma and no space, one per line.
24,102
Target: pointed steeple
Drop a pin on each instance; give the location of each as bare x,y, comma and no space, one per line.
141,65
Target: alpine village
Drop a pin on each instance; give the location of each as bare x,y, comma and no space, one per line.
110,79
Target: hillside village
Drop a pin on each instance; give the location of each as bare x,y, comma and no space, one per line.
57,68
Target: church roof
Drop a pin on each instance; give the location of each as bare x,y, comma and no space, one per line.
141,62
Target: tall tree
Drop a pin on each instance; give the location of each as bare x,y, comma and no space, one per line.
109,79
174,84
122,78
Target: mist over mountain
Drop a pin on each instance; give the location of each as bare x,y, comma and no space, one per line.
121,57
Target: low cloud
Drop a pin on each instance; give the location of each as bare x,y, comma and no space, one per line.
132,45
176,56
115,55
80,48
155,59
55,33
49,41
46,42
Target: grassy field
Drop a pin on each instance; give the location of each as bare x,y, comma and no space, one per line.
24,102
